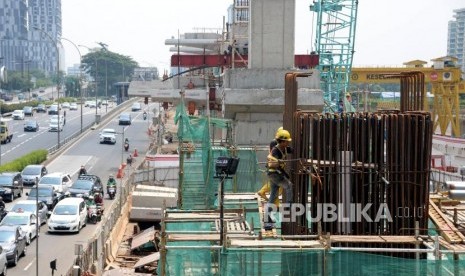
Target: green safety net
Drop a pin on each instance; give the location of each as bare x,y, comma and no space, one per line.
198,183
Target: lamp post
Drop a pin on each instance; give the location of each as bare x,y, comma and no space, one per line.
58,77
80,72
96,87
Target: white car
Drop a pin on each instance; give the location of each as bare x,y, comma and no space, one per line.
136,107
26,221
55,125
59,180
69,215
30,205
65,105
3,261
18,115
73,106
108,135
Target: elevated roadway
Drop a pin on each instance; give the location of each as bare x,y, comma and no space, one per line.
101,160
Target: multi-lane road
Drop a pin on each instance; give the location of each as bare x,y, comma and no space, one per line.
99,159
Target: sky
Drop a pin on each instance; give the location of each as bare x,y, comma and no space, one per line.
388,32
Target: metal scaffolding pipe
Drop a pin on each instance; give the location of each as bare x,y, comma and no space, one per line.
213,247
366,249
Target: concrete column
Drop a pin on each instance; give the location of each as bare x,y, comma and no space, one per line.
271,34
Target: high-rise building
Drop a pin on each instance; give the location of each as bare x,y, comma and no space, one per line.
21,45
456,38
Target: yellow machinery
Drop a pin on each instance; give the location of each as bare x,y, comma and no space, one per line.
446,85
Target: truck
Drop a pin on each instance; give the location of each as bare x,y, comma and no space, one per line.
5,133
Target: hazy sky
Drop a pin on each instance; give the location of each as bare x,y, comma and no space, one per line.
389,32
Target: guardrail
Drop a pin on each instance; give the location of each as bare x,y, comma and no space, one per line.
92,255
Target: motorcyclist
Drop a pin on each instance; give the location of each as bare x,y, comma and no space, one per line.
90,201
98,199
129,160
111,182
145,115
126,144
82,170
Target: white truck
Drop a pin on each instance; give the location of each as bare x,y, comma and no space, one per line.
5,133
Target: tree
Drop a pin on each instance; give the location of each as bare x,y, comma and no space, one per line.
108,67
72,86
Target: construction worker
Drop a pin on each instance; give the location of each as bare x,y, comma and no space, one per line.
276,167
348,107
266,188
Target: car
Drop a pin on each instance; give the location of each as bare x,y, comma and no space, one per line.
11,185
28,111
18,115
32,174
85,185
31,125
73,106
69,215
26,221
108,135
124,119
47,195
13,241
59,180
41,91
136,107
41,108
53,109
3,262
65,105
30,205
61,117
92,104
56,125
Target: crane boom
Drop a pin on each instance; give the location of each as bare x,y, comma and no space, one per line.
335,40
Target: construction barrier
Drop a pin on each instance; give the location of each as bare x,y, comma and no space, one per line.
120,173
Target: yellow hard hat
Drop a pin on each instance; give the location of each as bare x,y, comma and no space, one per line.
277,132
284,135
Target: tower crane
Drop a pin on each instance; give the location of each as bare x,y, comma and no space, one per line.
335,39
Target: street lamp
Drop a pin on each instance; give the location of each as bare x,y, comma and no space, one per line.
58,76
80,72
96,87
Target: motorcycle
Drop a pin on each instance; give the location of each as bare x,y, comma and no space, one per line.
111,190
126,146
94,213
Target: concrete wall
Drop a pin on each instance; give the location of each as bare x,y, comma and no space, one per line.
242,78
271,34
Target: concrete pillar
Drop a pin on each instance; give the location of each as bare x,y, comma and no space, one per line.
271,34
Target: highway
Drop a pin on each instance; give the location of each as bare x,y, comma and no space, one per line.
99,159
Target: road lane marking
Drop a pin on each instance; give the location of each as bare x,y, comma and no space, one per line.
29,265
21,135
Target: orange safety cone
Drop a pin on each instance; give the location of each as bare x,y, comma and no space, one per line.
135,153
120,173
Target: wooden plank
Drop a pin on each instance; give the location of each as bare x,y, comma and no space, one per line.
446,228
193,237
275,243
372,239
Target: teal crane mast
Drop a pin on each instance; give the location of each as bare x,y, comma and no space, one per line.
335,39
